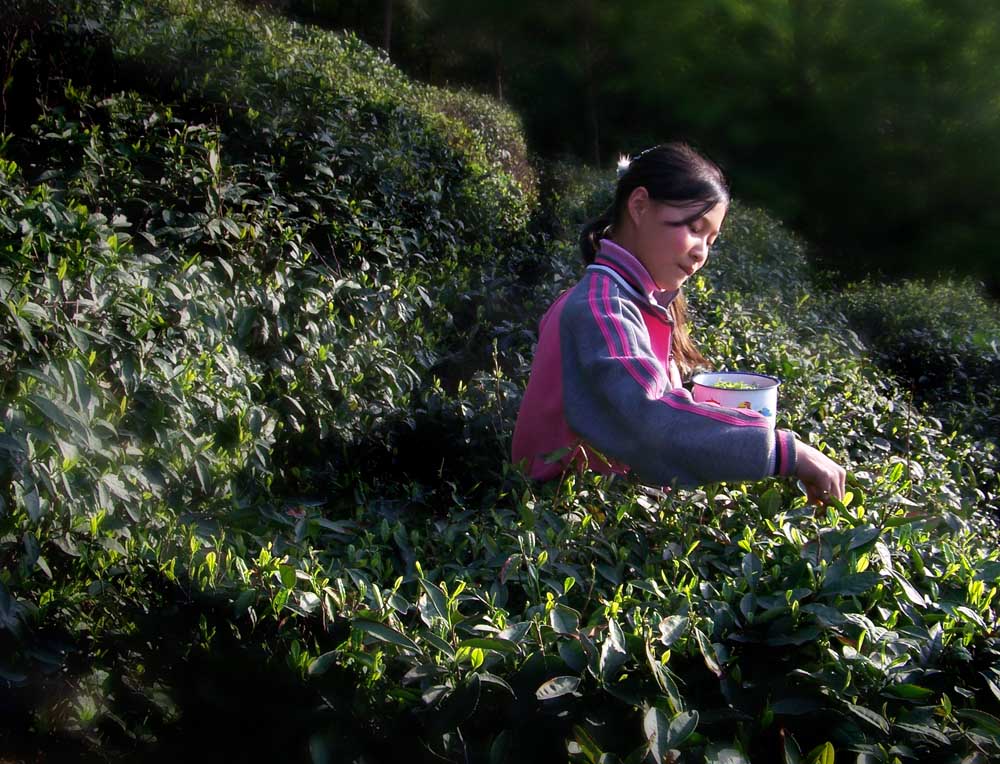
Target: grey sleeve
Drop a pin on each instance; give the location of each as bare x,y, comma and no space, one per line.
617,397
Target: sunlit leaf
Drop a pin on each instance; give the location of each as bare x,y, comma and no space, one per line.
822,754
557,687
671,628
707,653
324,663
720,753
870,716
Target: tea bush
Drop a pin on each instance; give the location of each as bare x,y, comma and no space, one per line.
941,340
572,195
495,126
267,320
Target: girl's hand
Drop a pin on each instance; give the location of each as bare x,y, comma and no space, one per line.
822,477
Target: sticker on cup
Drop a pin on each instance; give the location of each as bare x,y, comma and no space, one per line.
738,390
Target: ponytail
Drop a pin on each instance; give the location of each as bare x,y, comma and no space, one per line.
593,232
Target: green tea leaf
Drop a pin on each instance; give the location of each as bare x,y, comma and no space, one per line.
500,748
790,748
861,536
849,585
873,718
981,719
707,653
671,628
32,504
490,643
994,687
565,620
720,753
43,566
822,754
909,691
497,681
436,642
557,687
799,637
35,312
655,724
663,734
613,652
924,730
895,473
908,589
770,502
323,663
588,746
287,575
752,569
52,411
116,486
665,681
826,615
988,571
438,603
458,705
681,727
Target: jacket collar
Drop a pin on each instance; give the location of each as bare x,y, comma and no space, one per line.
627,266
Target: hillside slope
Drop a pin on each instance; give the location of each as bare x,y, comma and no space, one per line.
269,311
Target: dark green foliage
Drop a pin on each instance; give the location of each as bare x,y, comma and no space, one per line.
942,340
870,126
267,314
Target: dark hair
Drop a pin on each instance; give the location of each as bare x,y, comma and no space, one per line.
673,173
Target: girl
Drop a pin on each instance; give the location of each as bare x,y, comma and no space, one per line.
605,388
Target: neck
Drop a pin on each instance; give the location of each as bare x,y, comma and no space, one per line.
614,254
624,239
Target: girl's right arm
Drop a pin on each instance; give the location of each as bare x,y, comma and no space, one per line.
617,396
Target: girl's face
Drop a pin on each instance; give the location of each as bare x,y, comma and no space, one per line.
671,250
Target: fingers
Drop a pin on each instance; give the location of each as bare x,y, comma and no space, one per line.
823,479
835,487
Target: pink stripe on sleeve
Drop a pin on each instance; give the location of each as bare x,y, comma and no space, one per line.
681,399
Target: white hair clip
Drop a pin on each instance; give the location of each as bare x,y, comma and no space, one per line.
624,162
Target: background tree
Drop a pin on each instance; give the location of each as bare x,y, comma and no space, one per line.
868,126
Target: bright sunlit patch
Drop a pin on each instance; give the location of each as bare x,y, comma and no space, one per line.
624,162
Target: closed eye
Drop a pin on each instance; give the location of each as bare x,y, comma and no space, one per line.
697,229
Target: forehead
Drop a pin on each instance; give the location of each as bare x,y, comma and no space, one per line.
678,212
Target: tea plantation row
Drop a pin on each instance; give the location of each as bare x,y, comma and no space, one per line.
268,310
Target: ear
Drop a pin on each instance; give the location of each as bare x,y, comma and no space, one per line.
638,204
